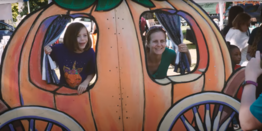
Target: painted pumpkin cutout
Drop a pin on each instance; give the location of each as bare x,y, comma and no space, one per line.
73,77
123,97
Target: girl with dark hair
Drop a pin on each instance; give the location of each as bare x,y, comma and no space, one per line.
75,58
233,12
159,57
235,55
237,35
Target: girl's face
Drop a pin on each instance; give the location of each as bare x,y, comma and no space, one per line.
244,27
157,43
82,39
236,55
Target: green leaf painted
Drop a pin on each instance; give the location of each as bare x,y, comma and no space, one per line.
146,3
102,5
107,4
75,4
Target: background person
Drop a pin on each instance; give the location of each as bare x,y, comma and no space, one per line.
250,113
237,35
233,12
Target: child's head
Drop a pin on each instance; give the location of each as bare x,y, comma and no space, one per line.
235,54
77,38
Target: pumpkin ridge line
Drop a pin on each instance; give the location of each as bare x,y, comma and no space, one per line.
119,73
137,36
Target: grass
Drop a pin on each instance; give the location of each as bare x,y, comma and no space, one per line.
183,28
191,46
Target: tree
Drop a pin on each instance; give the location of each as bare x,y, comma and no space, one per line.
34,5
228,4
14,11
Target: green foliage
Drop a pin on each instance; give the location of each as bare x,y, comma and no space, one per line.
102,5
228,4
14,11
184,32
34,5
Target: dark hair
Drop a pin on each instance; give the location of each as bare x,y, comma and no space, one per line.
241,19
152,30
261,15
70,37
233,12
257,38
231,47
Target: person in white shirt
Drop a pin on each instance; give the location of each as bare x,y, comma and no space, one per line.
237,35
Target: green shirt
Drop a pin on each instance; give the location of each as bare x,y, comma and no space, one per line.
168,57
256,108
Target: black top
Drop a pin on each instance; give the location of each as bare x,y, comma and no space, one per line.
225,30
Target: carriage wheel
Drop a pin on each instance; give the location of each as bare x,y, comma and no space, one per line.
208,122
32,114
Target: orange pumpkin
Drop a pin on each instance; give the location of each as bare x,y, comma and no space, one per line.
123,97
73,78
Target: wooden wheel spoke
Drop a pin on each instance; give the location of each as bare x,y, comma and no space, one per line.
49,126
217,119
207,118
11,127
32,125
186,123
198,119
224,126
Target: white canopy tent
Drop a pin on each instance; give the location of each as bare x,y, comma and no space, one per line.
10,1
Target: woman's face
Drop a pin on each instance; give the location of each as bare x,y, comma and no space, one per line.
82,39
157,43
244,27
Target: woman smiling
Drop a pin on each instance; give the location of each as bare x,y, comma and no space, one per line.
159,57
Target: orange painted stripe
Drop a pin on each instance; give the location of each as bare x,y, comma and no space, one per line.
9,84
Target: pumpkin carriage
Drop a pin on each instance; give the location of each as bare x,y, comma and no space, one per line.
123,96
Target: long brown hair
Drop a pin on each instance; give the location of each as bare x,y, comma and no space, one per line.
70,38
241,19
253,47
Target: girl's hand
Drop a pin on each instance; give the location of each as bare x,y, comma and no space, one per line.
253,69
182,47
48,50
82,87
